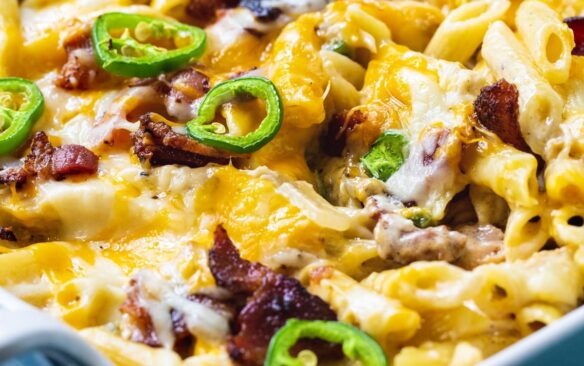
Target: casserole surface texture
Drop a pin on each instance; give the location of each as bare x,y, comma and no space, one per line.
201,172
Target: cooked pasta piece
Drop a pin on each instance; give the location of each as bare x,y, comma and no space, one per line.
469,240
346,78
501,291
563,178
129,353
551,277
527,231
92,300
439,354
461,33
540,106
385,319
508,172
424,286
534,317
547,38
489,207
567,226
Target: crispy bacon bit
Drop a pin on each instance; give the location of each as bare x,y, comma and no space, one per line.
204,12
46,162
80,71
497,109
6,233
184,341
273,299
143,330
181,91
335,138
231,271
157,144
73,159
188,85
577,26
38,161
16,176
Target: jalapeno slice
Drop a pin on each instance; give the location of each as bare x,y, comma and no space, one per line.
356,344
386,155
204,130
135,45
21,105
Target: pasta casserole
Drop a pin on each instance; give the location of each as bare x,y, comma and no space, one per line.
294,182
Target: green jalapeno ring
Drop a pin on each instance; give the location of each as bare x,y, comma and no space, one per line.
205,131
356,344
155,60
17,124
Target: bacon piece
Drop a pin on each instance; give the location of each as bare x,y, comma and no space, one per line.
16,176
45,161
497,109
157,144
184,341
232,272
577,26
183,89
276,301
335,138
204,12
143,330
273,299
7,234
80,71
38,161
188,85
73,159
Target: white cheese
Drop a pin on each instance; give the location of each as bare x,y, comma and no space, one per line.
236,23
160,298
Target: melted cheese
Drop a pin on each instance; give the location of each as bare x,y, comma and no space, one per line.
157,224
160,298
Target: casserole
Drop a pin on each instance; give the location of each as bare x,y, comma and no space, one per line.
191,182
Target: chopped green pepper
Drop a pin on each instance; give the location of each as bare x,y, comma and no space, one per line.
204,130
21,105
339,46
386,155
422,218
143,46
356,344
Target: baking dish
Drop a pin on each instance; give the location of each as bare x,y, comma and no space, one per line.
29,337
